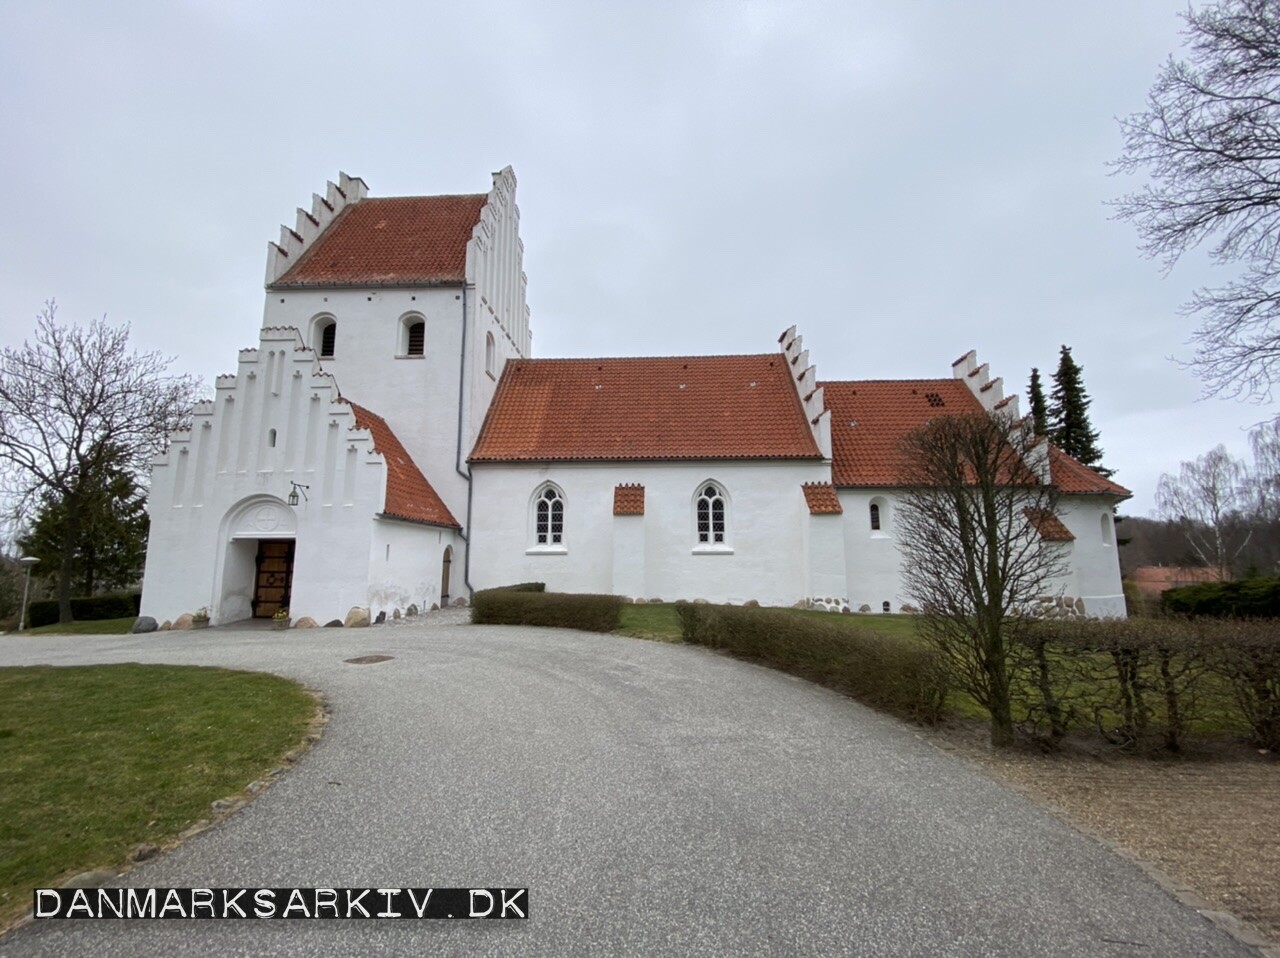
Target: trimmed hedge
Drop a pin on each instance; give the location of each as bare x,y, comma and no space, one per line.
1145,680
86,608
1243,599
507,606
898,676
521,587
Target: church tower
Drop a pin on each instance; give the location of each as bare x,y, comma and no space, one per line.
329,474
413,304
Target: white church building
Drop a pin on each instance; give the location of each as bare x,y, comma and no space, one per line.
390,443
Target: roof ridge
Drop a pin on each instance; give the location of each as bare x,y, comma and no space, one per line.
855,382
614,359
428,196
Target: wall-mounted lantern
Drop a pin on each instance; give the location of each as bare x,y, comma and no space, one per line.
293,493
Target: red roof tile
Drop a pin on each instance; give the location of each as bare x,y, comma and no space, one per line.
882,412
1154,579
1073,477
869,418
628,500
681,407
391,241
409,495
1050,527
822,499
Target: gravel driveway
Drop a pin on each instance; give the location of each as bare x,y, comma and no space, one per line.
656,799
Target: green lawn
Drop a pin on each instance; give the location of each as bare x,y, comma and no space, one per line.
97,759
95,627
651,622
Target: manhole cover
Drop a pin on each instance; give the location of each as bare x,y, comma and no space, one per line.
369,659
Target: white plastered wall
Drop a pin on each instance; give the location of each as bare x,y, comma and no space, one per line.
765,557
405,566
416,395
1094,556
873,563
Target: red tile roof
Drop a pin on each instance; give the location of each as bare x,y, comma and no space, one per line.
680,407
409,495
822,499
884,411
391,241
1073,477
869,418
628,500
1050,527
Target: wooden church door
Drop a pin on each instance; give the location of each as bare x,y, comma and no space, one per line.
273,580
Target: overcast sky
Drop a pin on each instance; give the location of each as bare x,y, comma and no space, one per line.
901,181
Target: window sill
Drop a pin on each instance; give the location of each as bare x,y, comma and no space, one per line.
409,356
880,534
713,550
546,551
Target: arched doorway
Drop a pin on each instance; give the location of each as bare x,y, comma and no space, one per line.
256,575
444,576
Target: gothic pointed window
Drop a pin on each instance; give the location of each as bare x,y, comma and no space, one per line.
548,519
710,512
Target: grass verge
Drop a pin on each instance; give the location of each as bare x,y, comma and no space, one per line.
92,627
98,759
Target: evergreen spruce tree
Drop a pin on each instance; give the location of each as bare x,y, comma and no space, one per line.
1069,426
1039,412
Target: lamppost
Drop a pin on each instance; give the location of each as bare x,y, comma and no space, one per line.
27,561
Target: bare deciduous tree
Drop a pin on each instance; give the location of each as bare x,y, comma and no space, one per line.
975,530
75,403
1210,141
1208,500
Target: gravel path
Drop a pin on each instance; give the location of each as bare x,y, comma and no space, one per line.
655,799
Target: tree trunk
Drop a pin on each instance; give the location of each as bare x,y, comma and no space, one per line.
1052,708
998,679
70,534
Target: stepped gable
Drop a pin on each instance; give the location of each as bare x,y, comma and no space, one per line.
390,241
678,408
409,495
869,418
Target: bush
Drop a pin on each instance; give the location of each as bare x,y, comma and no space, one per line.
86,608
590,613
1243,599
1152,679
521,587
896,675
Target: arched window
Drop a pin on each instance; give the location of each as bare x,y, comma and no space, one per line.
1107,528
878,517
415,338
711,518
326,334
490,354
271,438
548,518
